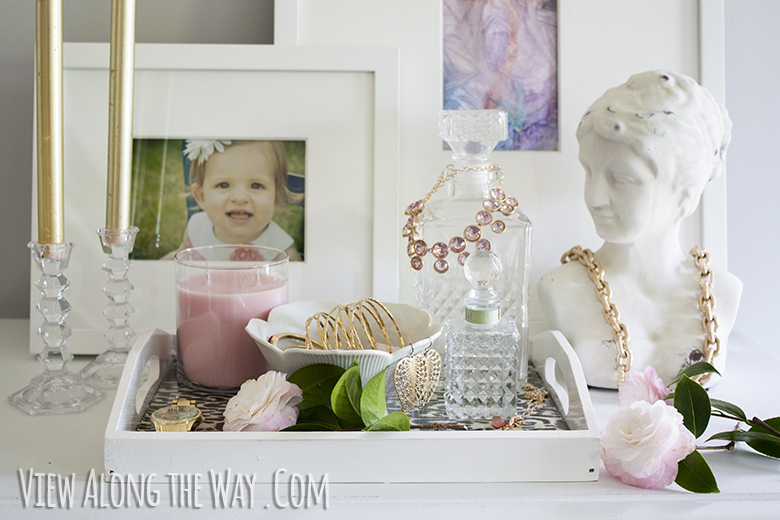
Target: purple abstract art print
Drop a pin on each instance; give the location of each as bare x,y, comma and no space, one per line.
503,54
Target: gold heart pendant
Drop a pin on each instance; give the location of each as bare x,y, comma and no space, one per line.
416,377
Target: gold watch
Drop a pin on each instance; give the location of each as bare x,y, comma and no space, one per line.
181,416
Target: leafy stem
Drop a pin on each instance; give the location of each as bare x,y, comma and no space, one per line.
756,421
728,447
725,416
752,422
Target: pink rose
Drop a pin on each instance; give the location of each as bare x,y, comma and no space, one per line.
642,386
642,444
266,404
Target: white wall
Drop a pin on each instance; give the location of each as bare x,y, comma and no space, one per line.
752,64
752,77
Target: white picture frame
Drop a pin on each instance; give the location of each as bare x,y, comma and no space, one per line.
343,101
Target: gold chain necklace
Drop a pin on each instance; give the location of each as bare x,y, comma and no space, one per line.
709,322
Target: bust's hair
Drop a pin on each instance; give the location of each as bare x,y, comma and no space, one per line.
668,119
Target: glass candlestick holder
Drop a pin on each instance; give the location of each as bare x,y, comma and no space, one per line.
57,390
106,370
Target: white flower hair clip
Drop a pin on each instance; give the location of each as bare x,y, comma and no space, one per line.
199,151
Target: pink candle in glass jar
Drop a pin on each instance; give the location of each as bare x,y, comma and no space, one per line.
216,300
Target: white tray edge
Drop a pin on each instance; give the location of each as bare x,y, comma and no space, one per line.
365,457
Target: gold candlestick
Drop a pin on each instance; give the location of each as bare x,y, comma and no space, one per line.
118,237
56,390
48,83
120,114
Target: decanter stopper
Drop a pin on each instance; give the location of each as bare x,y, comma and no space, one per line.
473,134
483,305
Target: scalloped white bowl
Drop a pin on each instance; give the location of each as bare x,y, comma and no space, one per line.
415,325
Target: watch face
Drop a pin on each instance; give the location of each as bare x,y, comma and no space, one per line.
176,413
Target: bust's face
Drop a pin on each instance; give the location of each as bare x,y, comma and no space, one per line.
624,196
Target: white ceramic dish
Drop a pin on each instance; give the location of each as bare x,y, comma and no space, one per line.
415,325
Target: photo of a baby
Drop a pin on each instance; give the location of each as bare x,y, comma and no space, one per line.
239,192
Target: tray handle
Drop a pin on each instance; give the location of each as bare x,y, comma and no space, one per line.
563,377
150,360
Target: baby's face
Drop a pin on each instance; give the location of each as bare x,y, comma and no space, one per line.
624,196
238,193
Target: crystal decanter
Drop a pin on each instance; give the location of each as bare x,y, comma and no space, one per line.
482,353
474,213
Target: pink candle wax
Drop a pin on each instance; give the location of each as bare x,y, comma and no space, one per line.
214,308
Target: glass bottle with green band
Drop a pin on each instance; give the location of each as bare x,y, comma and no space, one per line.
483,357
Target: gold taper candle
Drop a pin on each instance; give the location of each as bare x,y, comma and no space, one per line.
120,114
48,91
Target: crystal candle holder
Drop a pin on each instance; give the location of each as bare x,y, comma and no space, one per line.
57,390
106,370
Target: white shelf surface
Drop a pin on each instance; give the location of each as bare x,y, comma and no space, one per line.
73,444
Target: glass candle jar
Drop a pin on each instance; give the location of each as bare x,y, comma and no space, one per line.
219,289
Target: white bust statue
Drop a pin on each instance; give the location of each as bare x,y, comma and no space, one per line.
648,148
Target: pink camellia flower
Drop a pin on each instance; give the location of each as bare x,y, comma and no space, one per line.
642,444
266,404
642,386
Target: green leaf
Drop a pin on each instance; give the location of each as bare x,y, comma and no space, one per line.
317,382
693,402
771,446
701,367
346,425
312,426
745,436
734,435
694,474
321,413
395,422
345,398
728,408
372,403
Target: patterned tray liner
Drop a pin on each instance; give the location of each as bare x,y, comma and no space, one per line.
212,404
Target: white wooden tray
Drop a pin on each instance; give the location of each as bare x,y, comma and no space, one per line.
416,456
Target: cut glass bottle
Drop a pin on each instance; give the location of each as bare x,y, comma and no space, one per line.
482,351
469,202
